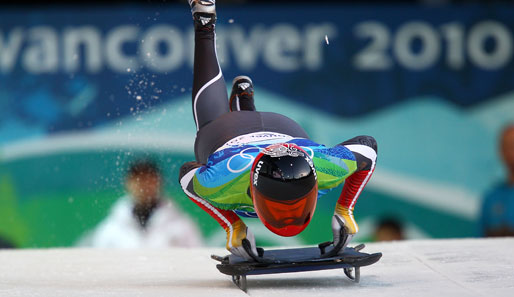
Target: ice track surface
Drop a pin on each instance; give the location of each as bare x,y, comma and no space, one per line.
469,267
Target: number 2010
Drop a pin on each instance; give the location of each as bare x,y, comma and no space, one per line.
375,55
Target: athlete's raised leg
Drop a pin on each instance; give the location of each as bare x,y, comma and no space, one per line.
210,99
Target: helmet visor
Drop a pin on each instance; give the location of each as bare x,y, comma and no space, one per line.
285,218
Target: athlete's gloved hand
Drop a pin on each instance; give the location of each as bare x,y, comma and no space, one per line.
343,227
241,241
340,232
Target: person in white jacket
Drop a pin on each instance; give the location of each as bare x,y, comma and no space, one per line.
144,218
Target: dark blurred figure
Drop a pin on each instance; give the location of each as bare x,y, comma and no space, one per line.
144,217
497,217
5,244
389,230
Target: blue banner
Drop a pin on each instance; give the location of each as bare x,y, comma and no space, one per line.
73,69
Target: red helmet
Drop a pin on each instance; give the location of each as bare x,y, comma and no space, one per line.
284,188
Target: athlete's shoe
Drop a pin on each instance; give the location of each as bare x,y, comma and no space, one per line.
204,14
241,97
203,6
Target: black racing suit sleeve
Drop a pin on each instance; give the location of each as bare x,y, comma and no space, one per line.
188,166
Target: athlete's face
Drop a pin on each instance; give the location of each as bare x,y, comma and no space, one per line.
507,148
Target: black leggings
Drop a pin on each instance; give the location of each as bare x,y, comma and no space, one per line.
210,99
214,122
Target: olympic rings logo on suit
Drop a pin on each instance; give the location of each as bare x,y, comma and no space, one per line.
250,158
243,155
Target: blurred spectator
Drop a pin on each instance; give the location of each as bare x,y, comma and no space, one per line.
388,230
143,217
5,244
497,217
